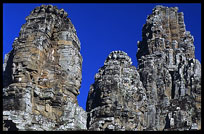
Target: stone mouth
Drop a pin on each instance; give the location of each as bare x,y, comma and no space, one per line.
17,75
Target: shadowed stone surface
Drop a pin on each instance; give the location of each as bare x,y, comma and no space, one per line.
42,77
169,72
168,79
42,74
117,99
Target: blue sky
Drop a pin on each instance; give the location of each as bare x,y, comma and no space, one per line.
101,28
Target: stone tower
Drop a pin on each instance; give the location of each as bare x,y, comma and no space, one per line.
169,72
42,74
163,93
117,99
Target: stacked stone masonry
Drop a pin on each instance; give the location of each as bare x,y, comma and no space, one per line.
169,72
117,99
42,76
168,79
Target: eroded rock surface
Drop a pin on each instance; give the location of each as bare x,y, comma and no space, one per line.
42,77
42,74
169,72
117,99
164,93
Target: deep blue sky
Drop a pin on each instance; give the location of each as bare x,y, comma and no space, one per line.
101,28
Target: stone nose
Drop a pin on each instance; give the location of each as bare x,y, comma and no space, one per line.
17,71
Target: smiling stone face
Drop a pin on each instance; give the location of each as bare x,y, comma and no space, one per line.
25,61
116,96
17,72
44,71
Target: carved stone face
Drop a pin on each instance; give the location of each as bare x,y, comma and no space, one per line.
25,61
17,71
22,68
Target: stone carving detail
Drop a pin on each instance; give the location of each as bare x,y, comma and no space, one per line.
169,72
168,75
117,99
42,74
42,77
